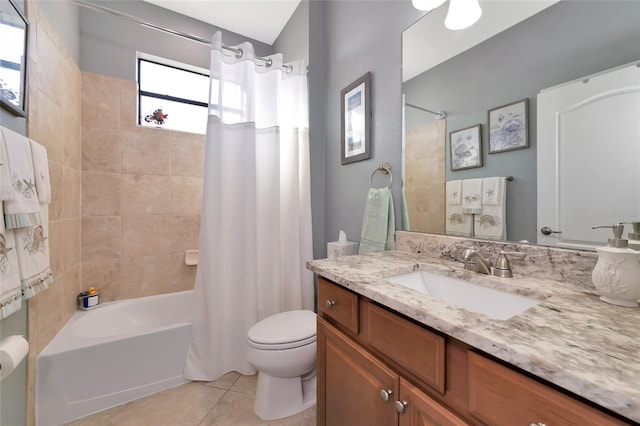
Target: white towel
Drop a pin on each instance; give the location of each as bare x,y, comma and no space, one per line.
472,196
10,291
32,245
492,188
41,172
379,223
454,192
6,190
457,224
491,224
24,209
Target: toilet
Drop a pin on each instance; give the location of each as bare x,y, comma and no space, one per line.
282,347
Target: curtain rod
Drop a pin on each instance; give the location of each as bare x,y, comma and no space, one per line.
439,115
130,18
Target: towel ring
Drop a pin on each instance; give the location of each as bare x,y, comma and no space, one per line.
384,168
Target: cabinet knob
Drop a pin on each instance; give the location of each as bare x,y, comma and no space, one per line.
329,303
401,406
385,394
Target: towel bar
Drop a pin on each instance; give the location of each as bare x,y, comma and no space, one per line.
384,168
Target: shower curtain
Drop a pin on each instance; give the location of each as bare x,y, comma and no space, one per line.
255,232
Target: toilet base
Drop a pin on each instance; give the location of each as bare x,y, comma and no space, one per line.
278,397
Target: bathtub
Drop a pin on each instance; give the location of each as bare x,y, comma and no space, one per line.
115,353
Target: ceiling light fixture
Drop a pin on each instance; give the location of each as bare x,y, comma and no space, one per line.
426,4
461,14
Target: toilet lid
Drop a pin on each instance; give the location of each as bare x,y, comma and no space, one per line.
285,328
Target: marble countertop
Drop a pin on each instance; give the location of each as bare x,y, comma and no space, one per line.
571,338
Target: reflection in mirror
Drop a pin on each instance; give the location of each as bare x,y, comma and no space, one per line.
563,42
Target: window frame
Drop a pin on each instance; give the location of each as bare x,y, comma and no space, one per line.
161,96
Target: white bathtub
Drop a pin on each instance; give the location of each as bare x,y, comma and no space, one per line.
113,354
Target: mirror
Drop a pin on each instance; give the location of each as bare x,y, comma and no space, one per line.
546,46
13,58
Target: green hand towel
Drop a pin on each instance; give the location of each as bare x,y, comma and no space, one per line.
378,224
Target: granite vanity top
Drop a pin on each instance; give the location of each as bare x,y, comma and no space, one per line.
571,338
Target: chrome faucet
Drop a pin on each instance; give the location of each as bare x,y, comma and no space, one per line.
473,261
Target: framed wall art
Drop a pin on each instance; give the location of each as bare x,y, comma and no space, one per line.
509,127
355,100
466,148
14,29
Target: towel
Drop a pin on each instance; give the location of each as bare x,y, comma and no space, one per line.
457,224
491,224
10,291
454,192
378,224
492,188
472,196
41,172
24,208
6,191
32,246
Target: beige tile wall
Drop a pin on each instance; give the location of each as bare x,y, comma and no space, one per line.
125,200
141,196
54,121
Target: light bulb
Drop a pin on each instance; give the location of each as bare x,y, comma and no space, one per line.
426,4
462,14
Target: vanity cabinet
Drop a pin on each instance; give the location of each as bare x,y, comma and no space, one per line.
377,367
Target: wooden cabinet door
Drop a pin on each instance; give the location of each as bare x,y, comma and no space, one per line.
501,396
350,382
421,410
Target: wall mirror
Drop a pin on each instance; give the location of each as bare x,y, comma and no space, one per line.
530,46
13,57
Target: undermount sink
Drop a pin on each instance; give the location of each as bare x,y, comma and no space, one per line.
483,300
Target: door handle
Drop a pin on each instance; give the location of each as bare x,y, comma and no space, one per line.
545,230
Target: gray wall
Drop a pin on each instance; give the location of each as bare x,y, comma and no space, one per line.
566,41
108,44
293,41
357,37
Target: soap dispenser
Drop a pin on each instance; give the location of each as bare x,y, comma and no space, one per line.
617,272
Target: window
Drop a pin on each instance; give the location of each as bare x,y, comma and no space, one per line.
172,96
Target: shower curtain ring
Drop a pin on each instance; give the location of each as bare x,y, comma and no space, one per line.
268,63
239,53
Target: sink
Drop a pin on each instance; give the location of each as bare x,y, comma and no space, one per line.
483,300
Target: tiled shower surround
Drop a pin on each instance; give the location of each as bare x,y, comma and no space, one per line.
141,196
125,199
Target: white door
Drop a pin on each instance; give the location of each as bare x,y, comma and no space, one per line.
589,158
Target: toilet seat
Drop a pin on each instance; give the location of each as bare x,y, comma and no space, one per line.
286,330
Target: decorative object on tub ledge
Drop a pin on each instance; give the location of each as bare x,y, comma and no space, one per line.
89,299
13,64
466,148
378,224
355,107
509,127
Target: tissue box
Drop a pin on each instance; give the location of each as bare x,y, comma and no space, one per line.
337,249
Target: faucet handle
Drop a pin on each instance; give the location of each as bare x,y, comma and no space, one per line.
503,267
464,247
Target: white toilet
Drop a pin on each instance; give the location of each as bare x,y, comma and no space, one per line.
283,349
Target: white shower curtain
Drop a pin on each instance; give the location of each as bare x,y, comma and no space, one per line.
255,232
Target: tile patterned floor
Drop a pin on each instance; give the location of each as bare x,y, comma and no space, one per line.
227,401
